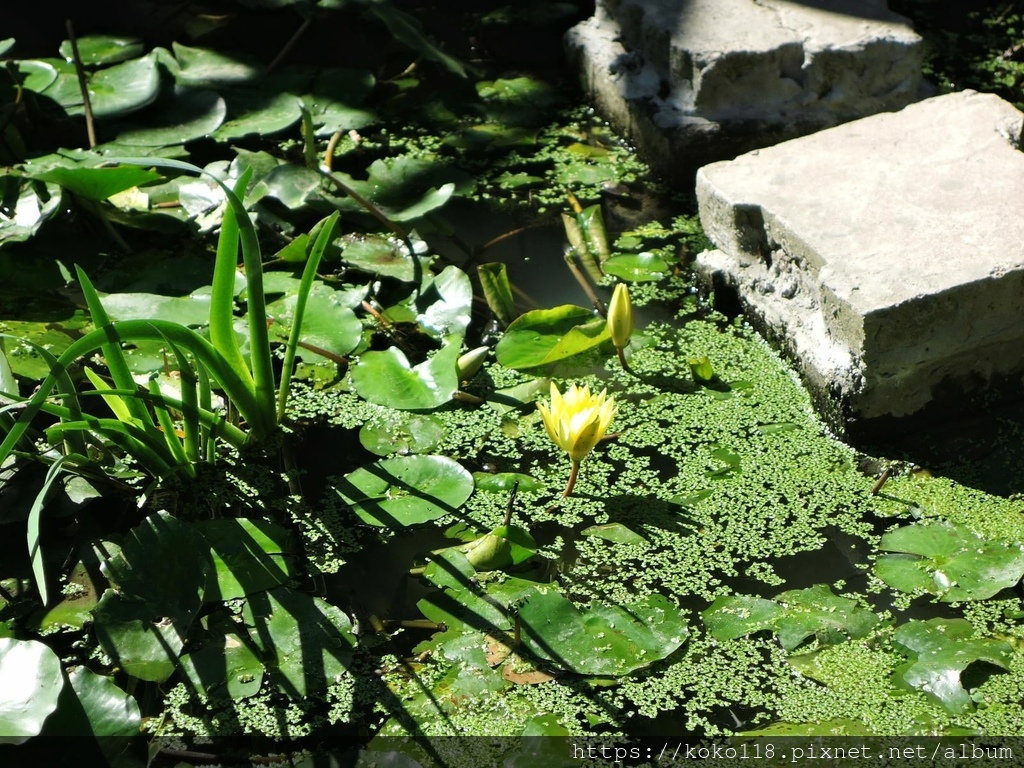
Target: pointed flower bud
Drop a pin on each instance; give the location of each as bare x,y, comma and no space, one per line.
468,364
620,316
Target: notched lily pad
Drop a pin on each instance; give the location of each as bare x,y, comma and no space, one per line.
406,490
793,616
246,556
614,532
387,378
948,560
939,651
604,640
545,337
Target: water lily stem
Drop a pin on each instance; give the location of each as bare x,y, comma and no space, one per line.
622,359
572,479
82,84
510,507
587,289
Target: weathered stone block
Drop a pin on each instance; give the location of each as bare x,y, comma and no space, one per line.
697,80
887,253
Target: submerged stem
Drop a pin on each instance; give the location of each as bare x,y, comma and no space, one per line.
572,479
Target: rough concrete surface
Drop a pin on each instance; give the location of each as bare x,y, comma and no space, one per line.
697,80
887,253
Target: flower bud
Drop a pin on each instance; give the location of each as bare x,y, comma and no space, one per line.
620,316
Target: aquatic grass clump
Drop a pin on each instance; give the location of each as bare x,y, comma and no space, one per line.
576,422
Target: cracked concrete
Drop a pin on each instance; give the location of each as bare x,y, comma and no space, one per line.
885,253
692,81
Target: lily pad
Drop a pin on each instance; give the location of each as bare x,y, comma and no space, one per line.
201,66
98,50
160,574
387,378
445,305
503,482
948,560
637,267
182,115
305,641
124,88
794,616
228,665
505,546
192,310
328,322
406,490
545,337
402,433
616,533
605,640
106,711
254,111
379,256
939,651
30,684
29,204
247,556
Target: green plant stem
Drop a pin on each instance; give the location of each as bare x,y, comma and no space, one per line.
622,359
82,84
572,479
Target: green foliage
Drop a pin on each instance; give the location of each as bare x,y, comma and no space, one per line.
948,560
607,640
545,338
939,651
794,616
406,490
32,682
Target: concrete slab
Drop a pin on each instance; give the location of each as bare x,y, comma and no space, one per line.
887,253
690,81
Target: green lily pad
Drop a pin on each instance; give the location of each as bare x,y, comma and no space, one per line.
248,556
202,66
254,111
30,684
604,640
406,490
292,185
36,75
948,560
183,114
402,433
227,665
518,101
503,482
124,88
306,642
379,256
328,322
98,50
637,267
387,378
616,533
80,596
794,616
98,183
334,100
939,651
545,337
192,310
160,574
104,710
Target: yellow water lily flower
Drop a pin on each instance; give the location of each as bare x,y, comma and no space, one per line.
620,321
577,421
